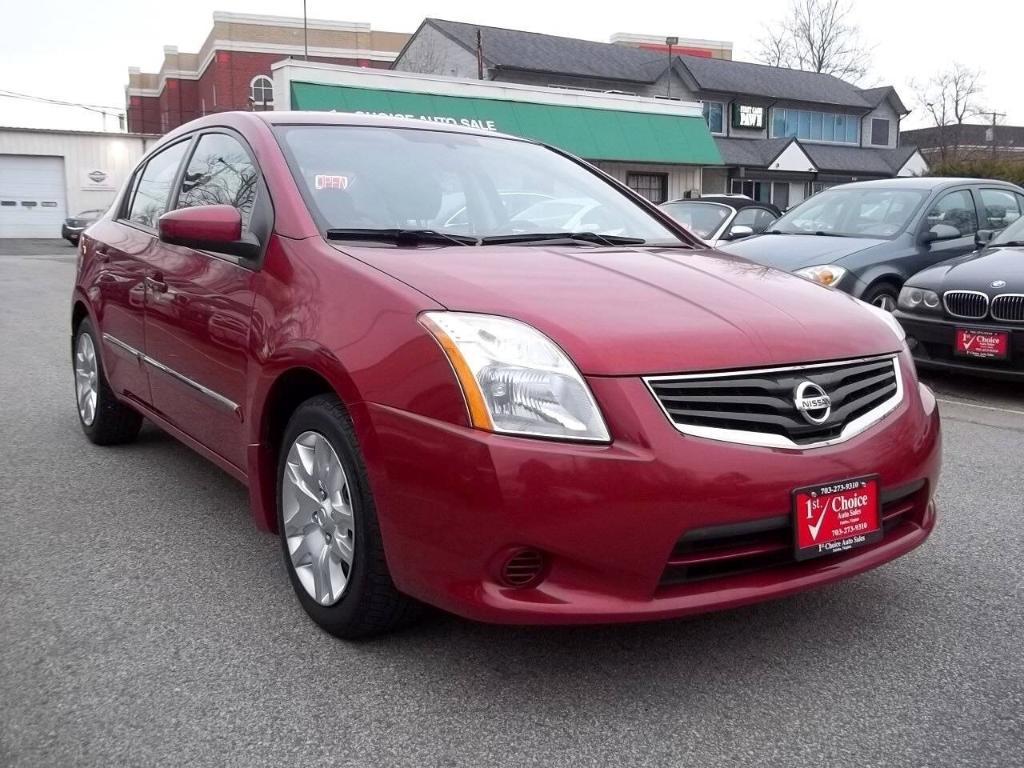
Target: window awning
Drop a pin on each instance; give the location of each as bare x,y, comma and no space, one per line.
591,133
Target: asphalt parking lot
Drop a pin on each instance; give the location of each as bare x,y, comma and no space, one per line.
145,621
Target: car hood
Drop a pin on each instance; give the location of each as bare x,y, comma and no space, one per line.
791,252
644,311
976,272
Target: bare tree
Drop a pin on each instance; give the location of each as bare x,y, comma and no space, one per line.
949,98
817,36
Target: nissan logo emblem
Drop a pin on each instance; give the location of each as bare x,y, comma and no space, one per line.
812,402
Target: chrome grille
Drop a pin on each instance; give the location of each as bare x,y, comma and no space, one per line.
758,407
971,305
1008,307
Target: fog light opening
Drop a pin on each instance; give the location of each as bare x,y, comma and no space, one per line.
524,567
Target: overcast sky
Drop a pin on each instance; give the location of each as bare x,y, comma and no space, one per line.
80,51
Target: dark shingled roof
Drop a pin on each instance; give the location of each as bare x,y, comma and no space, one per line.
532,51
516,49
756,153
759,153
772,82
875,96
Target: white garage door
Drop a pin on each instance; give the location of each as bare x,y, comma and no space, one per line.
31,196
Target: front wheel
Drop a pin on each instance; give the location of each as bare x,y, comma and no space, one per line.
883,296
328,527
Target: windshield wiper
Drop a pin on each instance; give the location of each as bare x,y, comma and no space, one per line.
581,237
1010,243
402,236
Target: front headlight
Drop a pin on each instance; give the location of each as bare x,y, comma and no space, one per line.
917,298
515,379
825,274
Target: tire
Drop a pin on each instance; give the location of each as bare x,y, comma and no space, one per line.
882,295
107,421
367,603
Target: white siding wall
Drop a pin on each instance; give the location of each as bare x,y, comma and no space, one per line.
681,178
886,112
115,154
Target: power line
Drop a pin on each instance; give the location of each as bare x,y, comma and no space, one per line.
101,109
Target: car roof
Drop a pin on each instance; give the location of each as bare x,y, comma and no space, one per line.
924,183
736,201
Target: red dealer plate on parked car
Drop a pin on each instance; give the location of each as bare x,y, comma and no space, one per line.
987,344
836,517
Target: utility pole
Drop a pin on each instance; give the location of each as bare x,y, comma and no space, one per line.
305,32
994,115
670,41
479,55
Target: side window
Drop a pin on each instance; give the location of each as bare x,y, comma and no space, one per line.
220,173
957,210
154,185
1000,208
746,217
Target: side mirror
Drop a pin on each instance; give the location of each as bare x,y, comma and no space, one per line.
983,237
739,232
940,232
216,228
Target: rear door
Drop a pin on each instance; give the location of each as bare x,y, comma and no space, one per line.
199,305
122,252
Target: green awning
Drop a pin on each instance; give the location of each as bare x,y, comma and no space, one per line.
594,134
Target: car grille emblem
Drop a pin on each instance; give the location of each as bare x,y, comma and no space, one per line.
812,402
998,283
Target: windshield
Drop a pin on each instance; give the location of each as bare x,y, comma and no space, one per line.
856,212
376,178
1012,234
703,219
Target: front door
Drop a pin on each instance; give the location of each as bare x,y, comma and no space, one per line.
199,306
123,249
956,209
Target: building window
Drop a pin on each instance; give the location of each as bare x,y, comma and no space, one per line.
713,114
261,92
880,132
653,186
833,127
755,190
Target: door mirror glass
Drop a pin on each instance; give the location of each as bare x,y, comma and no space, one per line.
216,228
739,231
940,232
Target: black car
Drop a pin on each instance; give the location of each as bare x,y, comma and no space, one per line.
73,226
967,314
719,218
868,237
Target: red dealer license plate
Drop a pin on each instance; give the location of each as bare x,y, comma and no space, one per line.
836,517
994,345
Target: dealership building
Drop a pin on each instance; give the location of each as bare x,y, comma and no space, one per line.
781,134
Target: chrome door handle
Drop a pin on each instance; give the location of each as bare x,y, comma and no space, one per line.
156,285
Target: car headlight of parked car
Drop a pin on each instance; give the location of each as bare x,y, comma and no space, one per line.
917,299
516,380
824,274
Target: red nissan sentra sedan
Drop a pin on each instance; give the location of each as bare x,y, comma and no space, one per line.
492,412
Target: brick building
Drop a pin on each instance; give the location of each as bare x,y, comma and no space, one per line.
232,68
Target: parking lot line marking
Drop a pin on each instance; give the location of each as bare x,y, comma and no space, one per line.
976,405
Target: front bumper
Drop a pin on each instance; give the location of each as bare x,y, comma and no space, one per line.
452,500
932,342
71,233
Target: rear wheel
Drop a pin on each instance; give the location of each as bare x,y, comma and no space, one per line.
104,419
328,526
883,295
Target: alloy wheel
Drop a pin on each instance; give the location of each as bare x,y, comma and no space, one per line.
885,301
86,378
319,525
